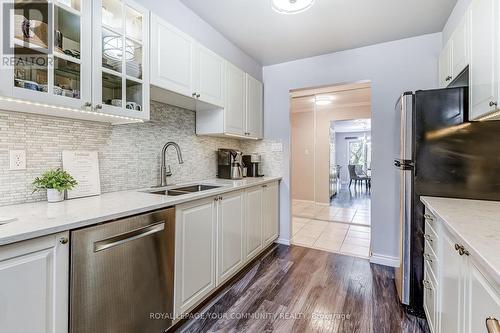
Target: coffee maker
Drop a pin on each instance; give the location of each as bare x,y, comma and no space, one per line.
230,164
252,163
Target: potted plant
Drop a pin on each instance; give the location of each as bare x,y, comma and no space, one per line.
55,182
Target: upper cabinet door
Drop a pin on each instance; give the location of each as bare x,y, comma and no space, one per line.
460,47
254,108
235,111
121,58
483,59
445,60
209,76
172,58
53,65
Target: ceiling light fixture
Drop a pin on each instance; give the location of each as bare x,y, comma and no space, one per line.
323,100
291,6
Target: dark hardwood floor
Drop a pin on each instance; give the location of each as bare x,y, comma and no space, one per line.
297,289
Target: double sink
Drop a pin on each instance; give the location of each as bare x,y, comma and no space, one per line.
175,191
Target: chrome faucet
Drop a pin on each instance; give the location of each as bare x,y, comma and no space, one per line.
165,169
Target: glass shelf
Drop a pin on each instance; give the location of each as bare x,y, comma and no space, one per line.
66,78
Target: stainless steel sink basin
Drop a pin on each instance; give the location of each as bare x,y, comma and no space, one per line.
185,189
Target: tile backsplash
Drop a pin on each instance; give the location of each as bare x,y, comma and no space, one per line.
129,155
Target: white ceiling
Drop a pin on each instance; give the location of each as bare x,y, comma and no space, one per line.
329,26
352,98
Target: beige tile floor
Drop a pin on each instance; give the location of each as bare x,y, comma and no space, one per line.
331,236
359,215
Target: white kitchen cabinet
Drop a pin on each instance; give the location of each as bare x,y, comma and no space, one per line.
121,58
53,68
34,279
209,71
182,65
484,302
452,287
230,235
195,253
235,110
484,30
253,222
445,65
460,47
172,58
254,107
270,213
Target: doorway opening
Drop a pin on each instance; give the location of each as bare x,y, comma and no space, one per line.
331,168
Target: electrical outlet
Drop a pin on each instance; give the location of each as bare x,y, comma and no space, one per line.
17,159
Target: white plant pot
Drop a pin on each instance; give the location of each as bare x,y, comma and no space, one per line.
54,195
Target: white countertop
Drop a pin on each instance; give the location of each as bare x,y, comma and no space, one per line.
42,218
476,224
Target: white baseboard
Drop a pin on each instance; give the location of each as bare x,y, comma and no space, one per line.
384,260
283,241
303,201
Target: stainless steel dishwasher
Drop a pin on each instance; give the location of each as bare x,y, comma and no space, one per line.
122,275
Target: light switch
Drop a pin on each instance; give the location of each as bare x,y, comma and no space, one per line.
17,159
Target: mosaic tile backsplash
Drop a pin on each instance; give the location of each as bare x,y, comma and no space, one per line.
129,155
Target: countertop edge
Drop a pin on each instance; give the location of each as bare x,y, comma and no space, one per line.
22,236
490,271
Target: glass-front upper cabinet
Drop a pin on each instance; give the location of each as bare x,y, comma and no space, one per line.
47,58
121,68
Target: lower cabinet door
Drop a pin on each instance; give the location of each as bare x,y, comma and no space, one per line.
484,303
451,309
253,221
430,300
34,279
195,251
270,209
230,235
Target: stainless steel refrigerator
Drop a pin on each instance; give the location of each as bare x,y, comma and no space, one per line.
427,118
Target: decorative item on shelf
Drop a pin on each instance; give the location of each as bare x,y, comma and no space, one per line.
56,182
72,53
43,88
113,48
116,102
58,91
31,31
31,85
59,41
133,106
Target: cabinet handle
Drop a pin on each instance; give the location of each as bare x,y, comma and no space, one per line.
193,94
216,199
427,285
457,247
198,95
492,325
63,240
428,237
264,186
428,257
428,217
98,107
448,78
87,105
220,198
493,104
462,251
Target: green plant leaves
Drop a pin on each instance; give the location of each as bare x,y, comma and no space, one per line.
56,179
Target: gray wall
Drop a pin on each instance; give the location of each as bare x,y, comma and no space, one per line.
392,68
456,15
176,13
342,154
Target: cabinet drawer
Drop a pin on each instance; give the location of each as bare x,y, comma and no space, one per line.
431,237
431,259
